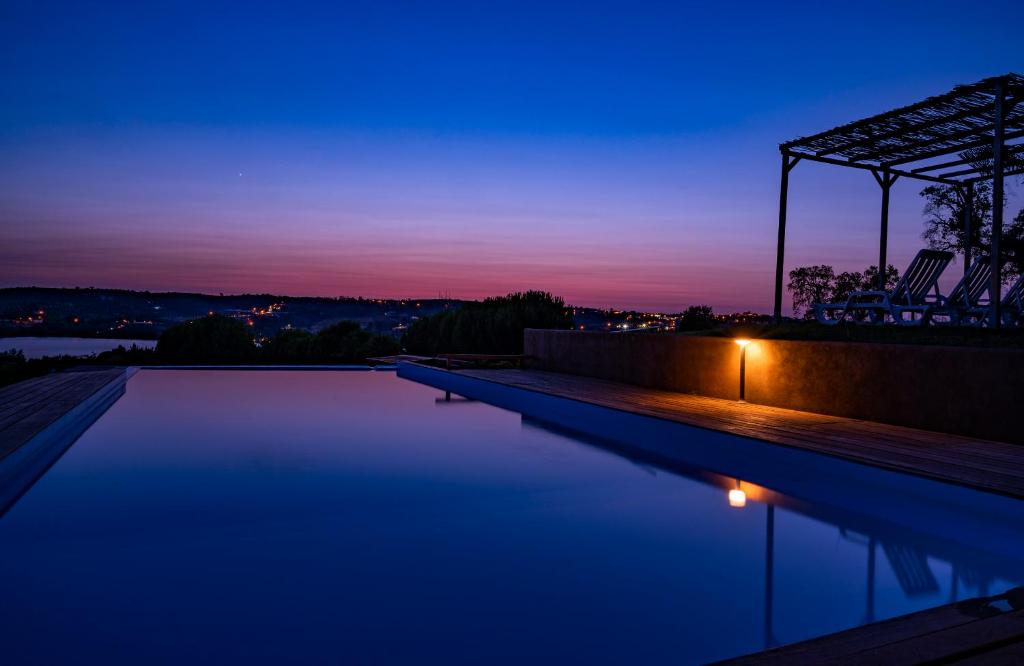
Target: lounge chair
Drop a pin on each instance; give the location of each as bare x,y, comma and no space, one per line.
963,306
910,295
1012,304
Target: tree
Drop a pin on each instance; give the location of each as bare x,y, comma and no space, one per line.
696,318
493,326
869,279
347,342
289,345
820,284
213,338
810,285
944,225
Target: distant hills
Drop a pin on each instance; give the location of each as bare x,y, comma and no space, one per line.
121,313
128,314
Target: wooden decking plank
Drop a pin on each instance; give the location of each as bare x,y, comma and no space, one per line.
984,464
19,410
835,648
950,643
31,406
1011,654
36,390
970,631
47,390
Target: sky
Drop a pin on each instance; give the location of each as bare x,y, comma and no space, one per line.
615,154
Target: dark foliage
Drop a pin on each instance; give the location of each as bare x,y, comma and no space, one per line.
493,326
346,342
820,284
217,339
944,225
210,339
696,318
289,346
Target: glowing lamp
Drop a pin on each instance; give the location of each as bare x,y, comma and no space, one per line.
743,342
737,498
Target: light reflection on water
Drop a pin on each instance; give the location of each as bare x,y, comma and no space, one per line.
355,517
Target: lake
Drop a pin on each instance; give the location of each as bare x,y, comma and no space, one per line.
34,347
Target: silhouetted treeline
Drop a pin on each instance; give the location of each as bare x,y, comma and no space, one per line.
227,340
344,342
212,338
493,326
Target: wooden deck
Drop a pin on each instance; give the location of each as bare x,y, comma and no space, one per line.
28,407
977,631
992,466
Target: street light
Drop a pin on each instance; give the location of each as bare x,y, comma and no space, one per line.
743,342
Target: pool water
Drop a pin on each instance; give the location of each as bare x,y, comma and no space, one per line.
358,517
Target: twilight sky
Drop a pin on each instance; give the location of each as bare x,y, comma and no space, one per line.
615,154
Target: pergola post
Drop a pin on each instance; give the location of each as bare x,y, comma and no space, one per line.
968,213
997,204
780,248
885,181
769,578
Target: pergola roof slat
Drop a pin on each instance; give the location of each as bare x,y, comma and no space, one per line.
985,84
1013,158
956,148
896,132
961,119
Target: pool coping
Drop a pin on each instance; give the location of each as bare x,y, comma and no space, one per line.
22,467
311,367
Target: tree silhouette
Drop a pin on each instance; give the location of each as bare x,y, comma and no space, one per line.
820,284
944,227
493,326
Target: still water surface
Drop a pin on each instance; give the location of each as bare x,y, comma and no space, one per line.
214,516
34,347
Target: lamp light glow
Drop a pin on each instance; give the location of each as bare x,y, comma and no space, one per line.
743,342
737,498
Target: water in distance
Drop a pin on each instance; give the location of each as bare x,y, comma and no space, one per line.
34,347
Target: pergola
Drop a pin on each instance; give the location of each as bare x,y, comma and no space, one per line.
956,139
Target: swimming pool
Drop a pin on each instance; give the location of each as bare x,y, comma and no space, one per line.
360,517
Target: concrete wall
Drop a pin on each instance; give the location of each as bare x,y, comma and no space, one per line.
968,391
704,366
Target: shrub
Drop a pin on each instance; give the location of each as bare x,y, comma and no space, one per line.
493,326
696,318
214,338
347,342
289,345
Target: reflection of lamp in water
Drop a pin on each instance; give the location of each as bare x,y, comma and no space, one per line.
737,498
742,342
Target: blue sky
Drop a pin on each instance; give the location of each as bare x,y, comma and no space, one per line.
618,154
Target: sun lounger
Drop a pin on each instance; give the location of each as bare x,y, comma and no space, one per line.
964,306
1012,304
911,295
